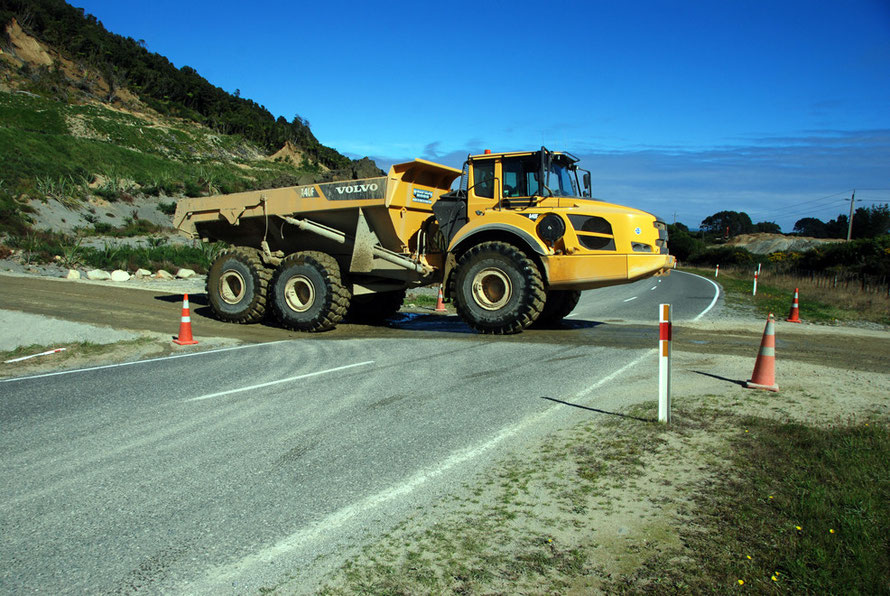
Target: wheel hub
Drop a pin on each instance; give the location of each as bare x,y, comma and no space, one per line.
299,293
492,289
231,287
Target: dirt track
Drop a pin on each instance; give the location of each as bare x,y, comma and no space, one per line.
158,312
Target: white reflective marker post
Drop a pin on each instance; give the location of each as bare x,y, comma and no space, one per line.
664,363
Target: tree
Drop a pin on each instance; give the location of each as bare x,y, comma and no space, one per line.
871,222
681,243
768,227
837,228
736,222
812,227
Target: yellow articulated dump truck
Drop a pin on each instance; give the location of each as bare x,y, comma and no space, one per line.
515,243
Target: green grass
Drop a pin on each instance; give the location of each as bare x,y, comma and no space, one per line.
812,504
42,247
37,143
421,299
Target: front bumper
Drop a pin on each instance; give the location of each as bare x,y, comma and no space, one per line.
586,272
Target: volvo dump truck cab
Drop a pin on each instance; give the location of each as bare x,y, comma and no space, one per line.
514,244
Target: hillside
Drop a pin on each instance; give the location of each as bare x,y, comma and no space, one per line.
764,244
87,145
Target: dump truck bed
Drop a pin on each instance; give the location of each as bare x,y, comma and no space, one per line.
394,206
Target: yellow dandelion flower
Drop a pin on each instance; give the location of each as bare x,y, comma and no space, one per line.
741,582
831,530
749,557
774,578
770,496
798,528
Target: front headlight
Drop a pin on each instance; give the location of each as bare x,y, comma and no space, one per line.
551,228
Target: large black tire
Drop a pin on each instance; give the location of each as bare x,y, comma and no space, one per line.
237,285
497,289
306,292
559,304
374,308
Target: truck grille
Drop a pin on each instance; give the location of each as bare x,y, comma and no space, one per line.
594,233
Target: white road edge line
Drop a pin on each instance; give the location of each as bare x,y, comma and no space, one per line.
713,301
173,357
279,381
629,299
222,576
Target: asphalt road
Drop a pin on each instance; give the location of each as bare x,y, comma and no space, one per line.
226,471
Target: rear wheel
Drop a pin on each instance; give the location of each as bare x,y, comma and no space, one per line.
373,308
558,305
306,292
237,283
498,289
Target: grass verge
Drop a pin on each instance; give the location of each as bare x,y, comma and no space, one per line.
820,305
74,352
628,506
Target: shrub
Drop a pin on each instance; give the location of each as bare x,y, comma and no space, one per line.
722,255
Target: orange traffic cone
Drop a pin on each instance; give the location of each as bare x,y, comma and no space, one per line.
793,314
185,325
440,302
764,375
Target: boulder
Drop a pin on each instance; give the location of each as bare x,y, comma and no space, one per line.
142,273
120,275
185,273
73,274
161,274
98,274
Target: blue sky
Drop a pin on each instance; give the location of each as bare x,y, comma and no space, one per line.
779,109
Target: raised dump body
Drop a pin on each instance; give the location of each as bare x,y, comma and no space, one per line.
515,244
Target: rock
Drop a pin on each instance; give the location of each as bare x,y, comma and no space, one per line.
185,273
73,274
161,274
98,274
120,275
141,273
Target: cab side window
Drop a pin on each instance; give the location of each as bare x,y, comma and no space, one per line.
483,179
520,177
513,179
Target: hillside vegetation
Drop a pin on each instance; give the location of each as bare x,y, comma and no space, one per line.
89,118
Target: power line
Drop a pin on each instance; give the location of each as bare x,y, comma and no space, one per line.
811,203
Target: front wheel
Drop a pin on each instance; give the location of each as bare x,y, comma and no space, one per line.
558,305
498,289
306,292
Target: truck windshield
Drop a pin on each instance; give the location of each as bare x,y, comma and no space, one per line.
521,177
562,180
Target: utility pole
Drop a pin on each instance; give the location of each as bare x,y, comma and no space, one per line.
850,226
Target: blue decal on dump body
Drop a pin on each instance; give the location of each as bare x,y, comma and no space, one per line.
423,196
